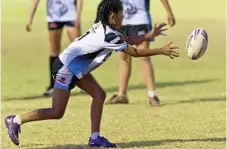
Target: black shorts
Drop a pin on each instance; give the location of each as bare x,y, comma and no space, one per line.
59,25
64,78
135,30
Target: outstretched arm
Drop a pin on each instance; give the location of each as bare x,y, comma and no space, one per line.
32,12
167,50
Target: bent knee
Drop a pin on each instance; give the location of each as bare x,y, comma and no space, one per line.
58,114
100,94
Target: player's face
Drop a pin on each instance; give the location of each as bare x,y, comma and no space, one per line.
119,18
116,19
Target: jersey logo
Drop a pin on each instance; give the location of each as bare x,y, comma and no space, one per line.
129,8
56,8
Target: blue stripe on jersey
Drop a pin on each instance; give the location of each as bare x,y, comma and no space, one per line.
123,46
147,6
149,26
79,64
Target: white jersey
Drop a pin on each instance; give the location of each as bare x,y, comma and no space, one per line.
136,12
61,10
91,49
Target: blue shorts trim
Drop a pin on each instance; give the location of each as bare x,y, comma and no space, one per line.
64,78
57,85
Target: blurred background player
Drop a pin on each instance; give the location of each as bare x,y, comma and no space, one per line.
60,13
137,21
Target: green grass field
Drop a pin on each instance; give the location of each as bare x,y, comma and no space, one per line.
193,95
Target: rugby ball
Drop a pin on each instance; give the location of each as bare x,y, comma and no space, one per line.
197,43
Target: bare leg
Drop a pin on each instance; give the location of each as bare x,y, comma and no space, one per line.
89,84
147,68
60,99
125,73
55,41
59,103
55,49
73,33
148,76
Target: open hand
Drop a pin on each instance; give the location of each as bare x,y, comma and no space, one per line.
28,28
77,23
171,19
157,30
169,50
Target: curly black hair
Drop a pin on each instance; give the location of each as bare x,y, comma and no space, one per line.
105,7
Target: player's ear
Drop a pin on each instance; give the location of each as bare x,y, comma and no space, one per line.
112,17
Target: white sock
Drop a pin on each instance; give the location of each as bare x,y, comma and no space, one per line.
151,93
122,94
17,119
95,135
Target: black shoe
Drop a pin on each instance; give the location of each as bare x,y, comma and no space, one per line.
49,91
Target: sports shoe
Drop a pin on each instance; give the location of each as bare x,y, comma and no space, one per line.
115,99
101,142
154,101
49,91
13,129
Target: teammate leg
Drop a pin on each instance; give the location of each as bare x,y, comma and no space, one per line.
72,31
55,33
125,73
148,75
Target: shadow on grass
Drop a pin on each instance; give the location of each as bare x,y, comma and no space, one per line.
114,89
139,143
196,100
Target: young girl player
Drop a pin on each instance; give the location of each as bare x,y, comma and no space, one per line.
75,63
